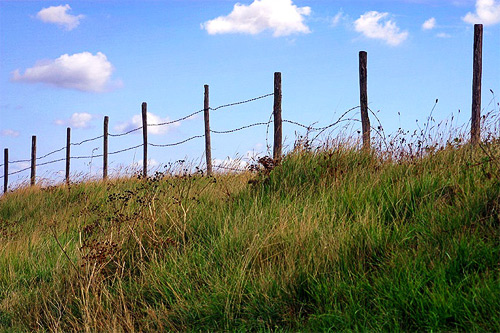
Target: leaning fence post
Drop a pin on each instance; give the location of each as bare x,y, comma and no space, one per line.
363,98
33,160
278,126
5,169
476,84
105,149
68,153
145,139
206,116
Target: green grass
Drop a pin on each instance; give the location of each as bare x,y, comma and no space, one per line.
333,239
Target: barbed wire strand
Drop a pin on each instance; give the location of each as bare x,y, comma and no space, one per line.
176,143
336,122
242,102
238,129
177,120
126,133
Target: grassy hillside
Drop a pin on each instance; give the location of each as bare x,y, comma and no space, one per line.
332,239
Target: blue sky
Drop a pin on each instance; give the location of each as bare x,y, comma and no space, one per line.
70,63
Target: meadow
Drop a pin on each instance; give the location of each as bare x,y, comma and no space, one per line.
333,238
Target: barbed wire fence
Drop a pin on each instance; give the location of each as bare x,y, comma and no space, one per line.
224,165
275,118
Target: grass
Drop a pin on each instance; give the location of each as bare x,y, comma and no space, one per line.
332,239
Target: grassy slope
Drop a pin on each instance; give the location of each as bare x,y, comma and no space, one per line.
329,240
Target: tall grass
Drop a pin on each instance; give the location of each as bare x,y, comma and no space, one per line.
331,239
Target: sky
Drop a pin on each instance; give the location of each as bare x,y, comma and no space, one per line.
70,63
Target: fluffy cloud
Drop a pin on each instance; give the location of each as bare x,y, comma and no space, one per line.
136,122
58,15
487,13
9,132
81,71
429,24
281,16
372,25
77,120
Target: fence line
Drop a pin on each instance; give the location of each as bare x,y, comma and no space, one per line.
275,118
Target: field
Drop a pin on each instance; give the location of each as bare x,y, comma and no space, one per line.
331,239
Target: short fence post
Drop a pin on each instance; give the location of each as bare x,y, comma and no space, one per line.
68,152
5,169
363,98
33,160
105,150
206,116
278,126
476,84
145,139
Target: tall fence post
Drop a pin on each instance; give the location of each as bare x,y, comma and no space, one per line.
476,84
145,139
278,126
5,169
206,116
363,99
105,149
68,152
33,160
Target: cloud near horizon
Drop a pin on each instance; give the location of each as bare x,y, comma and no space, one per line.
487,13
136,122
375,25
81,71
280,16
59,15
9,132
77,120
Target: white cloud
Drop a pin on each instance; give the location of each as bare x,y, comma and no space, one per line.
136,122
77,120
281,16
429,24
81,71
443,35
58,15
371,25
9,132
487,13
339,18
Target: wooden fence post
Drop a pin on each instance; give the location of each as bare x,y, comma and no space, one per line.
206,116
33,160
5,169
278,126
476,84
145,139
105,149
363,99
68,152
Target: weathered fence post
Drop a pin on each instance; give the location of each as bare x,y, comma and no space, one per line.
476,84
68,152
105,149
33,160
278,126
363,99
206,116
5,169
145,139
